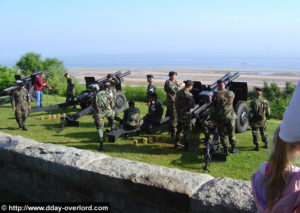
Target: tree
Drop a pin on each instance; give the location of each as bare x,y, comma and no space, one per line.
30,63
6,77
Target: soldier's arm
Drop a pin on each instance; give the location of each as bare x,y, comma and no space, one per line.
268,110
28,100
125,115
167,88
117,81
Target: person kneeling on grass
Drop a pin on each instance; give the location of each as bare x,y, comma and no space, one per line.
131,119
276,184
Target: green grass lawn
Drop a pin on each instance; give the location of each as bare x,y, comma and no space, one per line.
238,166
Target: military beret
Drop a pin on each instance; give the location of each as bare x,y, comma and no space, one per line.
172,73
258,89
189,83
150,76
220,81
21,84
109,76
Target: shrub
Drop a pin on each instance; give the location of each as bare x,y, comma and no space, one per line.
7,77
139,93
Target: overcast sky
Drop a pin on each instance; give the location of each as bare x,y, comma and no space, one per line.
56,28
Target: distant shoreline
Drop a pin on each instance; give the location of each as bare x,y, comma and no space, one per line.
205,75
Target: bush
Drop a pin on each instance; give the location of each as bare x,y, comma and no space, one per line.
7,77
139,93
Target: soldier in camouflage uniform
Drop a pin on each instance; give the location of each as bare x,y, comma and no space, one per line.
150,89
206,127
171,88
113,82
70,93
20,104
103,105
154,115
184,103
259,111
131,119
223,114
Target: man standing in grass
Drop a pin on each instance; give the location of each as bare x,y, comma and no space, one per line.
184,103
103,105
259,111
20,104
39,83
70,93
171,88
150,89
222,113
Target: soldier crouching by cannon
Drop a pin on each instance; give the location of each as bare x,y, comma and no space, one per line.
20,104
131,119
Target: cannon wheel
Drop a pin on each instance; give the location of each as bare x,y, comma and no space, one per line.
120,102
241,123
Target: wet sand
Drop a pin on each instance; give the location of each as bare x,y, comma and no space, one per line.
206,76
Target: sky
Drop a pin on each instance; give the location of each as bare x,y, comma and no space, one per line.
57,28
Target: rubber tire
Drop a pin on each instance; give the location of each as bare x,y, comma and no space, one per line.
120,102
241,123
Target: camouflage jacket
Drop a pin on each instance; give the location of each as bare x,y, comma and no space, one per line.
132,117
70,86
103,101
221,107
259,110
156,110
113,83
20,98
151,89
184,102
171,88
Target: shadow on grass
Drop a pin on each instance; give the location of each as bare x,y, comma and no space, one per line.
9,128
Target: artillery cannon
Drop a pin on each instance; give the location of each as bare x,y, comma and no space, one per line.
202,96
86,98
29,85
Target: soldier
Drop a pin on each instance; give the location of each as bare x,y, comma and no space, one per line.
112,82
103,105
154,115
259,111
70,93
20,104
184,103
171,88
131,119
223,115
151,89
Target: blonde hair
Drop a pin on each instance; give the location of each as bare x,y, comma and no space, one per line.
279,163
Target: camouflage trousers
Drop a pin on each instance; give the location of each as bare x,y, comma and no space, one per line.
226,130
261,129
21,115
206,128
184,123
99,120
172,114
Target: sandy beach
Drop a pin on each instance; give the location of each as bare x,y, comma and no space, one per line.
206,76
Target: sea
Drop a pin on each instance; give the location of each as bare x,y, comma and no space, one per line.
290,62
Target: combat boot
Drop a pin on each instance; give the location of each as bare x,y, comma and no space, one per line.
265,146
101,147
24,128
172,133
234,150
256,147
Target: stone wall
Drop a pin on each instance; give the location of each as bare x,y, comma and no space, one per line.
47,172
